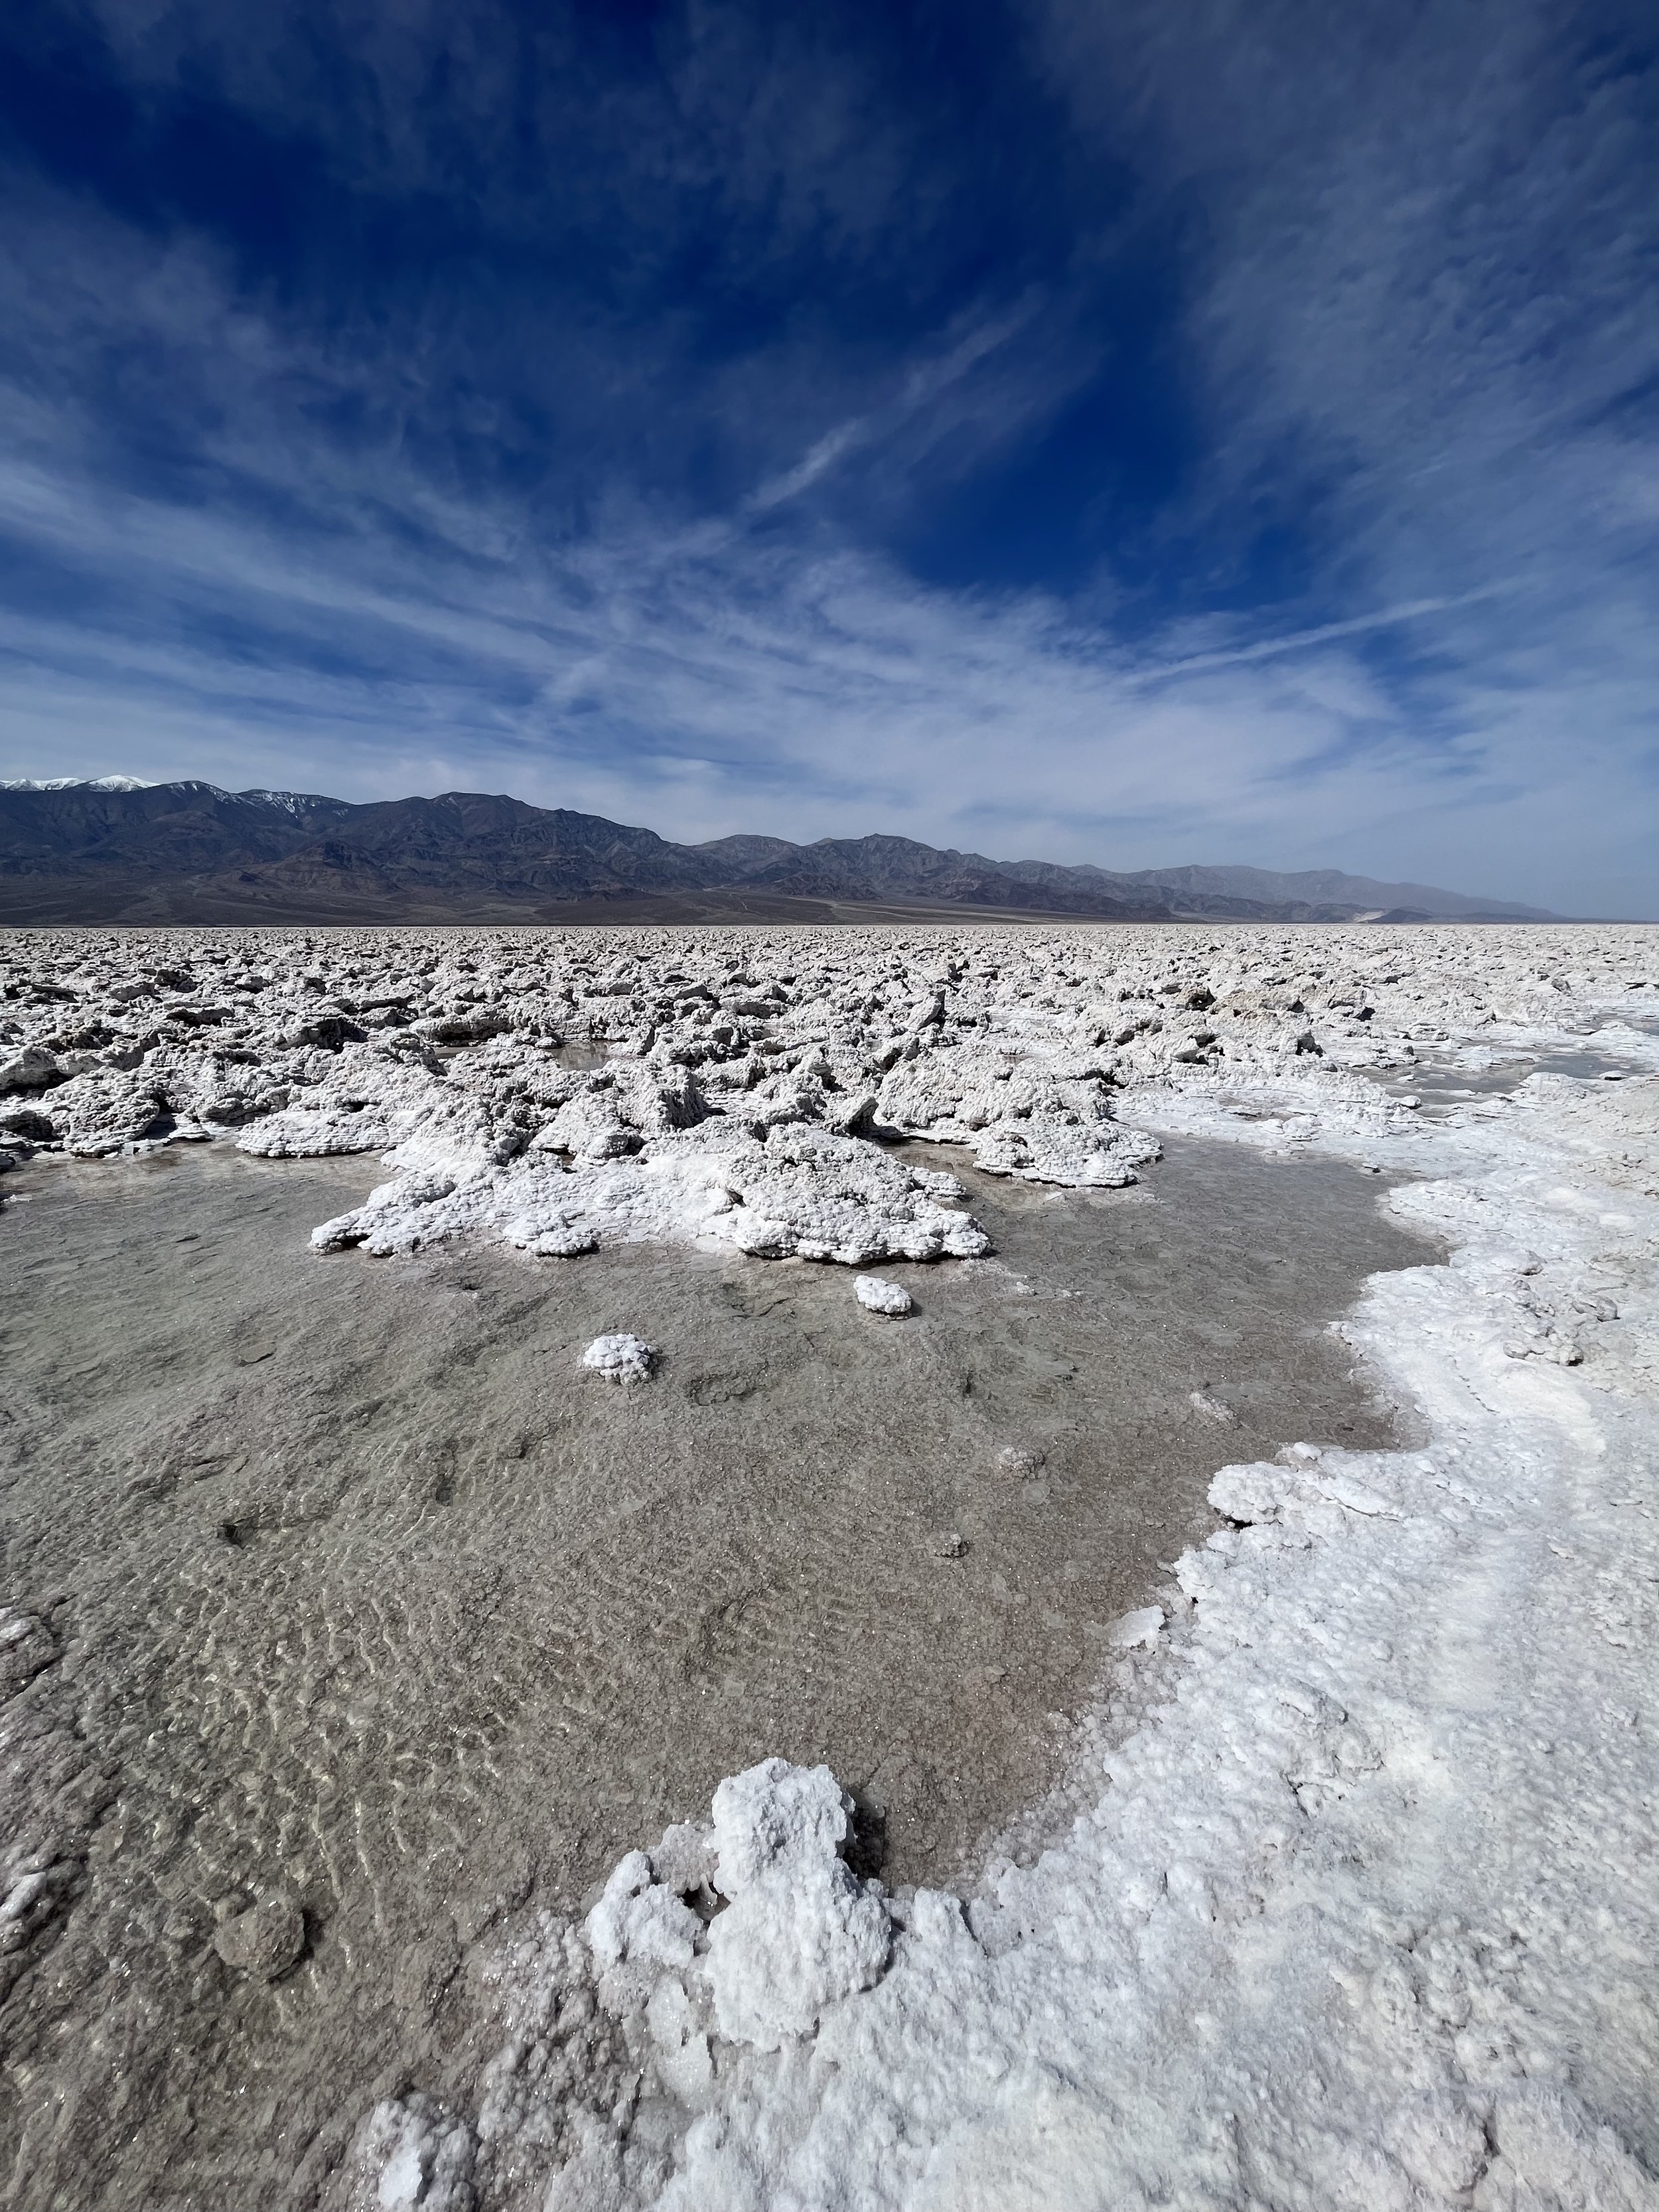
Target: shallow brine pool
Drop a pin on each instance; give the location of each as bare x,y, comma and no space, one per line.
362,1590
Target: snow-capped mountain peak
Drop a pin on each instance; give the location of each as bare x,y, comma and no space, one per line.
76,783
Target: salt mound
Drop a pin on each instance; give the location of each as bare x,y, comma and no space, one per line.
788,1192
620,1358
801,1930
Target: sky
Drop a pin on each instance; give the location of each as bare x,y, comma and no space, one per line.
1133,431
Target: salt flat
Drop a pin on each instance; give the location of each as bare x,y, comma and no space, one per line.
1343,1898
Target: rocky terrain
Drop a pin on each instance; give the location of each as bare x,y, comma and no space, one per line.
114,849
734,1084
1341,1896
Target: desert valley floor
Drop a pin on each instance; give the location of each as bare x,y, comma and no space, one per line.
1154,1707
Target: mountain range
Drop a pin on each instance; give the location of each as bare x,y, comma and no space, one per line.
114,849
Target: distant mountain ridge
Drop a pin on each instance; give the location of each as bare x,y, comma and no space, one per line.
114,849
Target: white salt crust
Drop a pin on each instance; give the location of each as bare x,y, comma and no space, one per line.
1351,1908
1357,1909
621,1358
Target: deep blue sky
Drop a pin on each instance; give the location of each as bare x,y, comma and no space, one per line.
1126,430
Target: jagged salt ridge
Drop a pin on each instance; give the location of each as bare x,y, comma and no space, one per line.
742,1074
735,1107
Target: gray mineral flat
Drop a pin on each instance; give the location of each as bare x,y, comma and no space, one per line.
265,1940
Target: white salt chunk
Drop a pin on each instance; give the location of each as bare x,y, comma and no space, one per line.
620,1358
883,1298
801,1931
1357,1497
1139,1627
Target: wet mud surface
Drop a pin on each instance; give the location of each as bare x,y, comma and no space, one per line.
362,1593
1442,1086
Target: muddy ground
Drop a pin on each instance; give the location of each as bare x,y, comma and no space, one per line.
363,1594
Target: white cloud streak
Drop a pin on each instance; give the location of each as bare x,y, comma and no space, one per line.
924,384
1298,641
1370,340
707,685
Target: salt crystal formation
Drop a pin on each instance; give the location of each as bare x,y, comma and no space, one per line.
801,1931
877,1296
747,1074
1139,1627
1352,1901
411,2155
620,1358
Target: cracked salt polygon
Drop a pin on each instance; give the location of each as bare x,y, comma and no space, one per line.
620,1358
878,1296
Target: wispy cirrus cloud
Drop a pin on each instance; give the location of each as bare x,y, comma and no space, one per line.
922,388
731,549
1299,641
